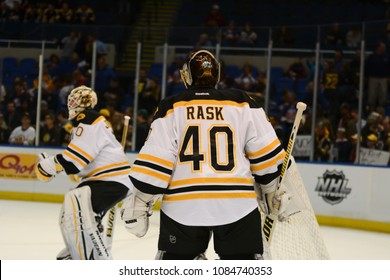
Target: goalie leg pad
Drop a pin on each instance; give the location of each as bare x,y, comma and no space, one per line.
80,229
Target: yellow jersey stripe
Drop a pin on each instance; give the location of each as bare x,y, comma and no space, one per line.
110,174
227,181
209,102
98,119
157,160
106,167
204,102
264,150
85,154
269,163
69,155
209,195
152,173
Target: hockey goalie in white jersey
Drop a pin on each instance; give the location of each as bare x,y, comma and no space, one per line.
98,159
204,153
205,148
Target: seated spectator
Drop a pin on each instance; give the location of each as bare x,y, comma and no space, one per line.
353,38
296,70
48,132
204,42
14,8
176,65
372,142
78,78
347,121
53,65
4,130
372,126
247,37
283,37
12,118
142,128
261,82
175,85
64,127
49,14
116,118
342,146
32,14
230,35
18,92
84,15
101,48
68,44
66,86
279,129
288,109
246,78
45,110
72,64
23,134
322,143
215,18
3,94
114,94
335,37
104,74
151,96
65,14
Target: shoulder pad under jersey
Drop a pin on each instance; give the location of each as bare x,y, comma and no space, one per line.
86,117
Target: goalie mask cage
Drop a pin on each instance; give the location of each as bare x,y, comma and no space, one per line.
300,238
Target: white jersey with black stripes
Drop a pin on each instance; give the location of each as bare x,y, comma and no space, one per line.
94,153
204,150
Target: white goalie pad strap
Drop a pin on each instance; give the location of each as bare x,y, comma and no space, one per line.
80,229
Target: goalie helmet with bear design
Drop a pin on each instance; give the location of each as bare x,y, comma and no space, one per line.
201,69
79,99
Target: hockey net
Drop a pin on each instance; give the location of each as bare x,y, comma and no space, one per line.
300,238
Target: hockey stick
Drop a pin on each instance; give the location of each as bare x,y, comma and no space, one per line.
272,218
111,214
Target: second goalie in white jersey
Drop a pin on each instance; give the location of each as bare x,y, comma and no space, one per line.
204,151
97,158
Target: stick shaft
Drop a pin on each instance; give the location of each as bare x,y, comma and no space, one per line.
271,219
111,214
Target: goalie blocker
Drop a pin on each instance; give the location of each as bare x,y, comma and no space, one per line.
136,210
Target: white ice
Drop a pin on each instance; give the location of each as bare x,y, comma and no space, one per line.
29,231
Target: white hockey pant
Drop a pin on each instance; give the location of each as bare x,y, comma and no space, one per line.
80,229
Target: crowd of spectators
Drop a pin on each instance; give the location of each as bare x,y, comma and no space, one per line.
336,120
64,12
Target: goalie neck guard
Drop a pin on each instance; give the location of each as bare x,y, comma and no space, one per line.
79,99
201,69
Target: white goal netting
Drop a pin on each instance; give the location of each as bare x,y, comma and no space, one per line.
300,238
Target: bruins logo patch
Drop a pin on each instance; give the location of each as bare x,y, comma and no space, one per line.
80,117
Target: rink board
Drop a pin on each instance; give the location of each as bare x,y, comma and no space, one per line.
341,195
